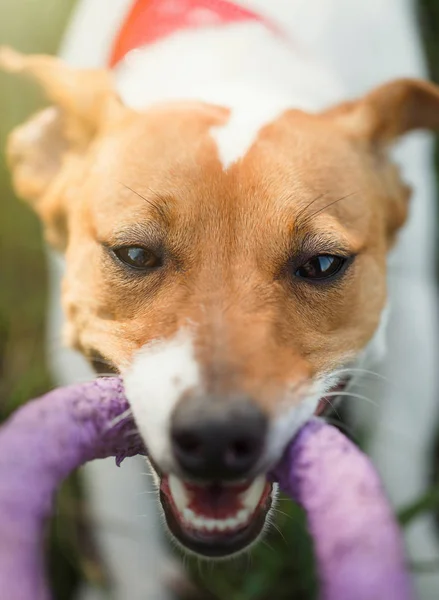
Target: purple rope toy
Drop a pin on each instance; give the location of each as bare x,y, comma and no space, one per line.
357,542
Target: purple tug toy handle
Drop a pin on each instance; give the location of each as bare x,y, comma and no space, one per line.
40,445
357,542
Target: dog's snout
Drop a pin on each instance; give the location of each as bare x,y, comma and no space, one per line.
215,440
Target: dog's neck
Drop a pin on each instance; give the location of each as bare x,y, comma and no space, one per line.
242,62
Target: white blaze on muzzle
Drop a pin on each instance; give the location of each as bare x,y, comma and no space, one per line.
160,373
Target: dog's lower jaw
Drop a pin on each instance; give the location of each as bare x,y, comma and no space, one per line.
226,536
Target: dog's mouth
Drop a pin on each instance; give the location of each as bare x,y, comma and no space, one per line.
215,519
218,519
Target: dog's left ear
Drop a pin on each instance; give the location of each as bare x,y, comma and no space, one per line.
45,153
378,119
390,111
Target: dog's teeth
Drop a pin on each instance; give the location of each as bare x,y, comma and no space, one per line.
188,514
178,492
210,524
251,497
243,516
221,525
229,523
201,523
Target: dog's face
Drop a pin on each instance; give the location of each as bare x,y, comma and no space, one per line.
230,299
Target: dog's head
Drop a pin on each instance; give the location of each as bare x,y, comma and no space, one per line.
230,297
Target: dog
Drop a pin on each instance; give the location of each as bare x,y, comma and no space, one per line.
240,244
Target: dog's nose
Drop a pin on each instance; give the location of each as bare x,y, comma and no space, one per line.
214,440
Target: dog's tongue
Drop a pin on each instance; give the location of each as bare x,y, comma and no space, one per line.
216,500
233,504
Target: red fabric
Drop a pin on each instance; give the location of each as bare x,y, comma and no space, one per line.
151,20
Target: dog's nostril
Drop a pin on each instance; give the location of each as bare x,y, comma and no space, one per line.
240,450
213,444
189,444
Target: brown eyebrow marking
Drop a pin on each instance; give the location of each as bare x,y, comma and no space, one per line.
158,207
141,234
322,242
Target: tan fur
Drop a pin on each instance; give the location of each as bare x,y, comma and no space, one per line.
100,175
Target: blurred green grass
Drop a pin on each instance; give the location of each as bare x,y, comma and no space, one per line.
32,27
36,26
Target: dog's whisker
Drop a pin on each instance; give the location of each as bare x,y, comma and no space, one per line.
267,544
391,430
305,208
351,395
320,210
280,512
200,567
273,524
359,370
185,561
155,205
332,405
249,561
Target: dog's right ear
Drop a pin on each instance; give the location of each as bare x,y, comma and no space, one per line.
44,153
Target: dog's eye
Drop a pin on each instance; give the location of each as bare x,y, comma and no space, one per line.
137,257
323,266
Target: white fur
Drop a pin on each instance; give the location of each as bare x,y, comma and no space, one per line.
361,44
155,381
94,24
234,139
377,347
291,416
226,67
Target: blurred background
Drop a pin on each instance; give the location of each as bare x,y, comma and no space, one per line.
36,26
